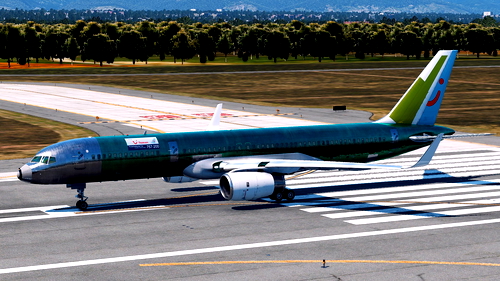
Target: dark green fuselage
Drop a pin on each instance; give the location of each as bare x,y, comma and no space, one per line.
112,158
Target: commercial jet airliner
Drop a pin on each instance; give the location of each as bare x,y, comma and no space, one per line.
252,163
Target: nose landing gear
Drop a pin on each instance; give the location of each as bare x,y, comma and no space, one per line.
80,188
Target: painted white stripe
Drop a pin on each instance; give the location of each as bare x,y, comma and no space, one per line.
457,162
469,155
10,176
246,246
332,182
446,199
419,187
32,209
411,217
354,213
401,174
448,161
422,193
9,179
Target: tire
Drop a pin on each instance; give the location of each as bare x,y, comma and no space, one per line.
289,194
278,196
82,205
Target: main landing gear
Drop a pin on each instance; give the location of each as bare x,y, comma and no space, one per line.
285,193
80,188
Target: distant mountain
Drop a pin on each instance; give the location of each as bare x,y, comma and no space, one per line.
389,6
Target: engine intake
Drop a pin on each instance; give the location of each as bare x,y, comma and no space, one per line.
246,185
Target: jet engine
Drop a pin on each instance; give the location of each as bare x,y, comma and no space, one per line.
247,185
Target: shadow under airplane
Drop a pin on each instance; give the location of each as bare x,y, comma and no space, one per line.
429,176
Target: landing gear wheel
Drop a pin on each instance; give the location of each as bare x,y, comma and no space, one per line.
80,188
289,194
278,196
82,205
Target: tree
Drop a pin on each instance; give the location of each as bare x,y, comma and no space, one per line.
249,43
132,45
205,46
150,33
409,44
112,31
277,45
72,48
99,48
15,45
324,45
34,43
379,42
183,47
477,39
165,36
54,45
225,46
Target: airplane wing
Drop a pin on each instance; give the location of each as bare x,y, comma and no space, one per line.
215,167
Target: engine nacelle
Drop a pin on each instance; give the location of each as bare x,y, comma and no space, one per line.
246,185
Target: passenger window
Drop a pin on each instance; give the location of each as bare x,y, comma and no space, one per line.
93,156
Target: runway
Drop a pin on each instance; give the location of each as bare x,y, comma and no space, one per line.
437,223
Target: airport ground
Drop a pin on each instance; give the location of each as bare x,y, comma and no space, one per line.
434,224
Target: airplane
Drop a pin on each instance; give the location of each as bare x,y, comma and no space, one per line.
252,163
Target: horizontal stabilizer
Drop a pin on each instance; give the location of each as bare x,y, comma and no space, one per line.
429,153
430,138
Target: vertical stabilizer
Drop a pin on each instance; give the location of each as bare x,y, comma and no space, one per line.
421,102
215,121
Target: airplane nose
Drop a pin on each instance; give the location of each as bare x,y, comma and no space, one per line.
25,173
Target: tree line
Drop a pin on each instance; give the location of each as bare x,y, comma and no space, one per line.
104,42
236,17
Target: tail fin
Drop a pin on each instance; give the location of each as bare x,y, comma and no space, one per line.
215,121
421,102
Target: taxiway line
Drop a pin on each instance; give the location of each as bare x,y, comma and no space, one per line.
321,262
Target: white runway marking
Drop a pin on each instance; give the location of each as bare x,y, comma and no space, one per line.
64,211
402,200
245,246
122,108
8,177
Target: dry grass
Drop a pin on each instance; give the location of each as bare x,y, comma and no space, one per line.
24,135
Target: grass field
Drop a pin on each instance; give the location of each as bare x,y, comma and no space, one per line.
24,135
471,104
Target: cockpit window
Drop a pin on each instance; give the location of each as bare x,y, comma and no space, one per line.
43,159
36,159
